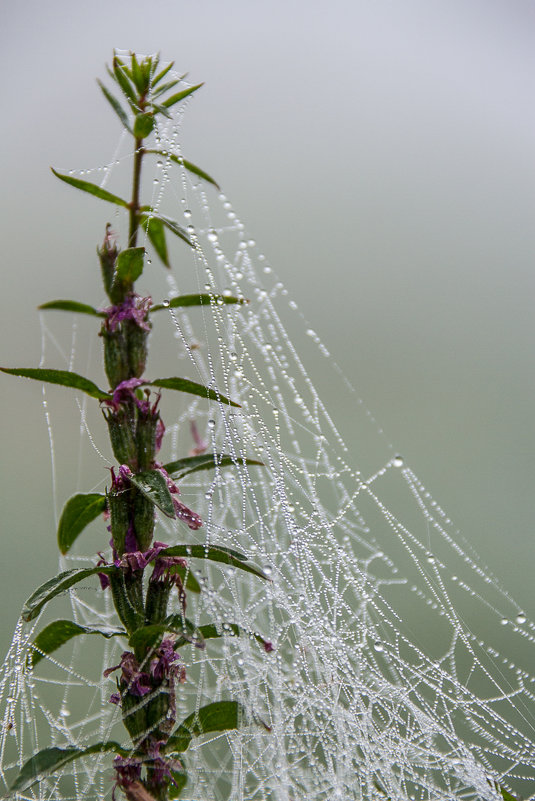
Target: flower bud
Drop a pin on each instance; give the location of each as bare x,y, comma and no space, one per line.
108,255
143,519
115,356
156,603
136,346
122,434
120,519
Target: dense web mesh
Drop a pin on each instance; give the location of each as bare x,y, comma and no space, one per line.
400,668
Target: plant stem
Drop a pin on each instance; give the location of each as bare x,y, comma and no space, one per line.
136,184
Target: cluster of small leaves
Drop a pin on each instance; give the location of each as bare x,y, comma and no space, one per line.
142,485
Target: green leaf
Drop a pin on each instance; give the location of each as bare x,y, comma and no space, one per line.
161,110
77,513
187,578
163,73
63,377
206,461
219,716
48,761
116,106
154,486
59,632
57,585
93,189
148,636
71,306
175,228
186,164
164,88
210,632
156,233
215,553
129,265
180,779
143,125
137,75
120,73
191,387
201,299
171,101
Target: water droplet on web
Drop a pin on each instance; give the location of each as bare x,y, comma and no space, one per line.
504,621
211,423
239,275
166,302
212,236
378,646
521,618
187,214
398,461
267,570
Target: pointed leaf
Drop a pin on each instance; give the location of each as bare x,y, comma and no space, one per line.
179,781
187,578
63,377
77,513
156,233
93,189
116,106
219,716
71,306
191,387
59,632
162,110
57,585
201,299
215,554
120,73
143,125
210,632
48,761
186,164
180,96
175,228
154,486
163,73
206,461
164,88
129,265
137,75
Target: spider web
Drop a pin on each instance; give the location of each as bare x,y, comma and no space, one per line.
400,668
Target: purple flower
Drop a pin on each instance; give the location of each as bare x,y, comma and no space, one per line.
127,772
137,682
163,659
133,307
137,560
103,578
192,519
200,444
163,567
160,431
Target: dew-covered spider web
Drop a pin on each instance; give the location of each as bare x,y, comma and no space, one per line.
400,668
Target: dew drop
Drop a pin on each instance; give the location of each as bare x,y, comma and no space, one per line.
521,618
211,423
212,236
187,214
398,461
378,646
166,302
504,621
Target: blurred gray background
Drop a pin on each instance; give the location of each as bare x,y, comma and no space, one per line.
381,154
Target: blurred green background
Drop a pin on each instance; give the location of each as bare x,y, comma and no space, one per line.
381,154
